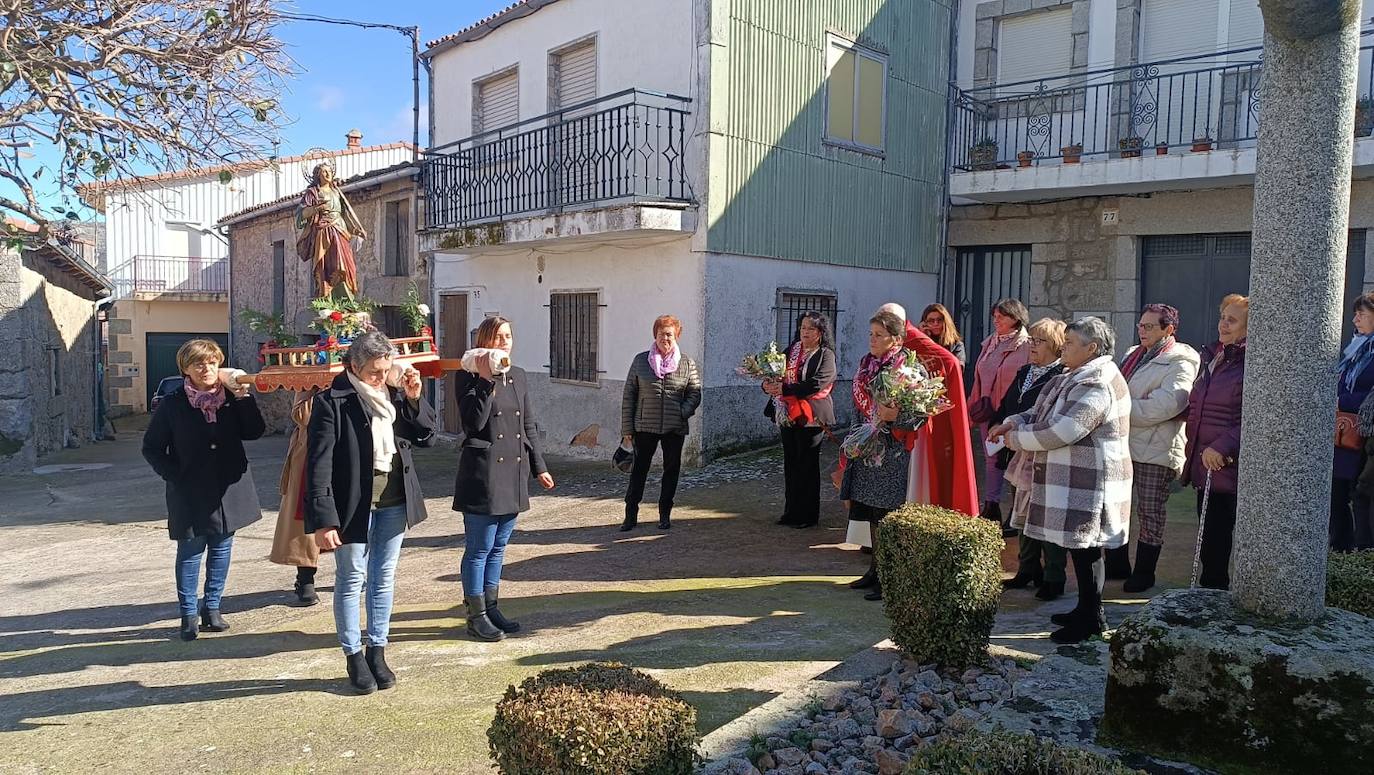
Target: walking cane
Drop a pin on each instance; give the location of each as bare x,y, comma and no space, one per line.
1201,522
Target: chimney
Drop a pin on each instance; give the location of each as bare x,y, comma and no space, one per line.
355,138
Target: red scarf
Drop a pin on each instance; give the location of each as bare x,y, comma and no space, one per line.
1143,355
869,368
799,411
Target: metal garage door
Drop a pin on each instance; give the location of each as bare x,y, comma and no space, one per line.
162,355
1194,271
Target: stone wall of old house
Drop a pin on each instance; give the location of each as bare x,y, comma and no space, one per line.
252,280
48,377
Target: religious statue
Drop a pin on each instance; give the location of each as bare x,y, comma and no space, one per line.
327,226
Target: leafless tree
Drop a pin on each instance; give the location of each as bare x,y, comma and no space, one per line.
123,88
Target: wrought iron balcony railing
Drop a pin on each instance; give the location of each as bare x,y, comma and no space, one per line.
628,146
1203,102
170,274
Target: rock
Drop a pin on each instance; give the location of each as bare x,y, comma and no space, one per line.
844,728
737,766
929,679
853,764
970,675
816,768
790,757
821,745
793,770
861,704
866,717
1284,696
893,724
980,697
903,743
963,721
926,699
832,703
873,742
890,762
767,762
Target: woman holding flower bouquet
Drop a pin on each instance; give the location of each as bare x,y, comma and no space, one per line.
800,403
875,472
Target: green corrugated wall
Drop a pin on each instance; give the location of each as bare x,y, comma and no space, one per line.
775,188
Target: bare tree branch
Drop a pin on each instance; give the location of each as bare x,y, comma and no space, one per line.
126,88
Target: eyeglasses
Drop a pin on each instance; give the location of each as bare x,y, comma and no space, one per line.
1146,326
1037,340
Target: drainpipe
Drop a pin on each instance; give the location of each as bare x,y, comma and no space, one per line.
943,276
223,233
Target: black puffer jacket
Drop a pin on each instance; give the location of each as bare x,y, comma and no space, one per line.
653,405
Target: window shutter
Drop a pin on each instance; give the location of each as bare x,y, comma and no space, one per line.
576,76
1177,28
1038,45
498,103
1246,25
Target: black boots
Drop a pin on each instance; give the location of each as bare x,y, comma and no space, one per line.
1118,563
1143,577
1024,578
631,519
360,675
1087,618
992,511
305,587
376,664
1050,590
492,597
211,621
867,580
188,628
479,626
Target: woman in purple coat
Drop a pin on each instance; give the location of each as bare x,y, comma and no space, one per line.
1350,528
1213,432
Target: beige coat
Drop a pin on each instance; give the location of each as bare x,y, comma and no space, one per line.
291,545
1159,401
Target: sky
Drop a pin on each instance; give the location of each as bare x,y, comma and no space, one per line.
347,77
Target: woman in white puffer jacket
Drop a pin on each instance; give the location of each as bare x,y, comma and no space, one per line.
1160,372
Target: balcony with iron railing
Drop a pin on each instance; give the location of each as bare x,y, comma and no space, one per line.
1191,120
147,277
627,148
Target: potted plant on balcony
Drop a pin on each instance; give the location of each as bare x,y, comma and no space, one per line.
1364,116
1025,158
982,155
1161,149
1130,146
416,313
1072,153
1202,143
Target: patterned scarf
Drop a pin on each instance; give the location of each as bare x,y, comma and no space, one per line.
207,401
1141,356
798,411
1034,374
868,369
663,365
1357,357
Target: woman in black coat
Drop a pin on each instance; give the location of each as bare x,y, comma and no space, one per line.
195,443
804,396
1047,343
500,452
662,392
362,493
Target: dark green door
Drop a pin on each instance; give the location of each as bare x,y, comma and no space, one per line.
162,355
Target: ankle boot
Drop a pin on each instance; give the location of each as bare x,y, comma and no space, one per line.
305,587
1084,625
1050,590
188,627
631,519
1066,618
1143,577
1024,578
479,626
492,597
869,579
210,620
665,517
1118,563
992,511
360,675
376,664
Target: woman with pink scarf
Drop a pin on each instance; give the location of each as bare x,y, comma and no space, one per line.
195,443
1000,357
662,391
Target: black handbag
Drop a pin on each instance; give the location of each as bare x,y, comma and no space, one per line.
623,459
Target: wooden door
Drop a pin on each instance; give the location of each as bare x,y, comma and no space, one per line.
453,342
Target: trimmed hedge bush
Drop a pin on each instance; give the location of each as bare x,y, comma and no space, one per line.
942,577
1350,582
1006,753
598,719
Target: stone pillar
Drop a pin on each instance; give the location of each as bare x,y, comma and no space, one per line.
1302,200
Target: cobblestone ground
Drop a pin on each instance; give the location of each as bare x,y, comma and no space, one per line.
726,607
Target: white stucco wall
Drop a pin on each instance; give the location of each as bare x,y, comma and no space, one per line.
645,44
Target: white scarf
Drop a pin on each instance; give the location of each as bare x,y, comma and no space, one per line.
382,417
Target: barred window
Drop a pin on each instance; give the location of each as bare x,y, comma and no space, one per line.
791,304
574,335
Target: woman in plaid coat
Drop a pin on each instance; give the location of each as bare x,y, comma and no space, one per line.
1081,466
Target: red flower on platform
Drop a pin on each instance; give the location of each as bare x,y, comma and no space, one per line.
426,332
336,316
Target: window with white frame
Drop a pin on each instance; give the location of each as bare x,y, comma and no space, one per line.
855,94
574,335
572,74
496,101
1036,45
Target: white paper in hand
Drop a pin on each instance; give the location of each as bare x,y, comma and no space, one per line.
993,447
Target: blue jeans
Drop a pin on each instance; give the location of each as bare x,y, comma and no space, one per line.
189,552
484,537
373,565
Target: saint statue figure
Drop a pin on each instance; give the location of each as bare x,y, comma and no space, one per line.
327,226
